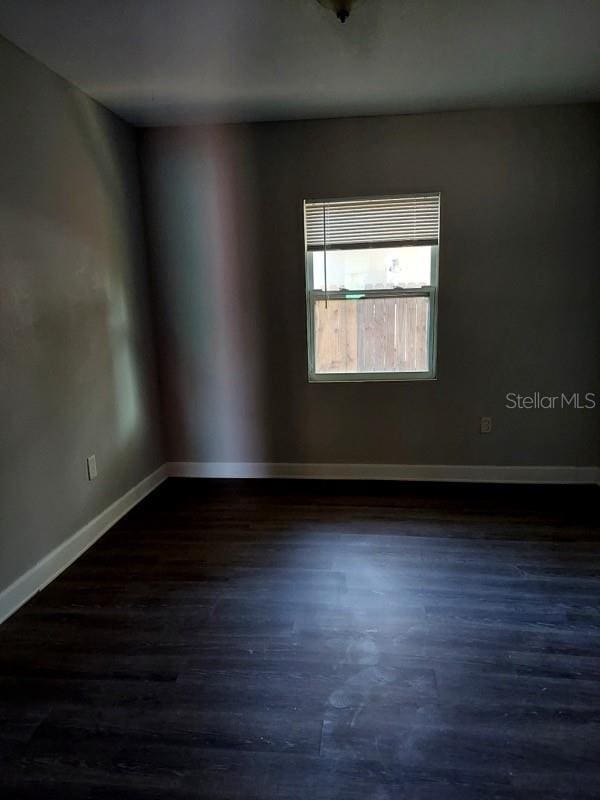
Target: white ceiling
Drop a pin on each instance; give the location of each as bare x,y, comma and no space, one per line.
160,62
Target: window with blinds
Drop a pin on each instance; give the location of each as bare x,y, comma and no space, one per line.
371,281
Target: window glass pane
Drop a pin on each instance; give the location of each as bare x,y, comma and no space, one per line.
376,268
385,334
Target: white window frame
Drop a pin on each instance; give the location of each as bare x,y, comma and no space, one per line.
313,295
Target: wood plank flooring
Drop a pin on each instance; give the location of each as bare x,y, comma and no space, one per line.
233,640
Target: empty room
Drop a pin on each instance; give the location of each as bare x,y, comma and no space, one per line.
299,399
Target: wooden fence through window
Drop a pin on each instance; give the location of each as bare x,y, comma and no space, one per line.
387,334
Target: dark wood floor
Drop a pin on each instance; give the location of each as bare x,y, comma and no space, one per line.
258,640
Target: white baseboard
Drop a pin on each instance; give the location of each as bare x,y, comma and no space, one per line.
59,559
388,472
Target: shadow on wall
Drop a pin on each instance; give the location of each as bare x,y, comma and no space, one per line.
127,325
204,248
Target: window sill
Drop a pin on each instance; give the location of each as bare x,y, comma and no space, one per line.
376,377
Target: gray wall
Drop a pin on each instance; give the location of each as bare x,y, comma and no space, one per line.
519,286
77,372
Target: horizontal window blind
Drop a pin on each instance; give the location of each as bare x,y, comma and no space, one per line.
383,222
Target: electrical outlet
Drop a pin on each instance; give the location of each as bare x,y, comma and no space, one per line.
485,424
92,469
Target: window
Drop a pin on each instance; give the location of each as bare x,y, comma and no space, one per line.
371,287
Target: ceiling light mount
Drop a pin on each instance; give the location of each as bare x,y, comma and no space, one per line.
341,8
